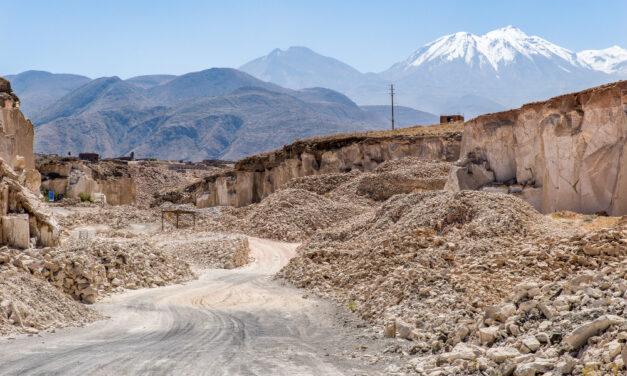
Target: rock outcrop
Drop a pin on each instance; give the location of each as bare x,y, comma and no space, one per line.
22,215
567,153
16,132
258,176
72,177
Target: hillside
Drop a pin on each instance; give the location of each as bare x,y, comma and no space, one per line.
38,89
217,113
300,67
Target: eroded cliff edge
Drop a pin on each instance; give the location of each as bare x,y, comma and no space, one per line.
566,153
257,176
22,214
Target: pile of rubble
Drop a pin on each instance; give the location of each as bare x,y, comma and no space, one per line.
430,268
116,217
207,250
313,203
405,175
29,305
288,214
321,184
84,269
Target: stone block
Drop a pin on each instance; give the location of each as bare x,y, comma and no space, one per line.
16,230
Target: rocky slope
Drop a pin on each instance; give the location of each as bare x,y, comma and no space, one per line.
309,204
79,271
476,282
565,153
256,177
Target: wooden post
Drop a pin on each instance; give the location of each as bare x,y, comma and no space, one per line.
161,221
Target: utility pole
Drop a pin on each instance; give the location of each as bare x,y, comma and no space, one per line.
392,97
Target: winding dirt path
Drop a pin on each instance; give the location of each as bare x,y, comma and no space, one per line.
228,322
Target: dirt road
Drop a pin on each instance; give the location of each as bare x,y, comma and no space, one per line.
228,322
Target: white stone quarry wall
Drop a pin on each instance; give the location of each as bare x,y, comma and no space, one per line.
74,177
567,153
247,185
22,214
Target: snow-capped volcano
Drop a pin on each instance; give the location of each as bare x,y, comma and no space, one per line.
505,65
610,60
496,49
461,72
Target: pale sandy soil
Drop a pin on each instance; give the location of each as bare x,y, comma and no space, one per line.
237,321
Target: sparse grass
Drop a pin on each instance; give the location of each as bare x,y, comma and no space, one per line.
588,222
417,130
352,305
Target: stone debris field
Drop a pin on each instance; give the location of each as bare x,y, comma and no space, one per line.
425,261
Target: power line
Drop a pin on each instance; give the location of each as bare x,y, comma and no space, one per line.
392,97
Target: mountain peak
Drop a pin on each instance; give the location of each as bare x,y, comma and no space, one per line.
610,60
507,32
496,48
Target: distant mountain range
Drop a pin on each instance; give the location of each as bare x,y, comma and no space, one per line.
457,73
216,113
270,101
40,89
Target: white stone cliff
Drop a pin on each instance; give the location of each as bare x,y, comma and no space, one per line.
566,153
258,176
23,215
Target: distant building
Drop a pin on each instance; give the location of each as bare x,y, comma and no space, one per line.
90,157
450,118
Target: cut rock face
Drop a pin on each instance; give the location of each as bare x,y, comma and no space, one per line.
23,215
567,153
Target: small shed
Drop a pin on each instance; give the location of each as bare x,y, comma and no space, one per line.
450,118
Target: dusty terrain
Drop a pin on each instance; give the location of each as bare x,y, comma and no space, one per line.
226,322
428,281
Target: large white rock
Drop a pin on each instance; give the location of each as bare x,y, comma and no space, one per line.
16,230
501,354
580,336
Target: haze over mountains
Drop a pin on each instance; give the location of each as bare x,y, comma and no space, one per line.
229,113
216,113
457,73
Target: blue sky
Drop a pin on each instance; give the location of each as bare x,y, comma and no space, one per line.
132,37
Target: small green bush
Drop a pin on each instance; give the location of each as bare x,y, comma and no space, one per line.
352,305
85,197
44,192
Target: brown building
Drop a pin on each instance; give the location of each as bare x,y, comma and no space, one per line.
90,157
450,118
